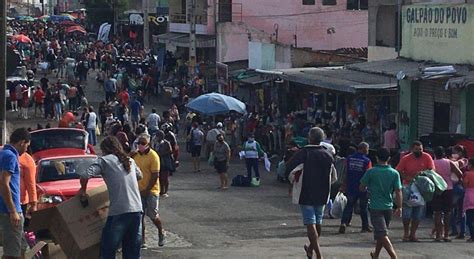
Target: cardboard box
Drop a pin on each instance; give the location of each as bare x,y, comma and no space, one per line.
52,251
76,229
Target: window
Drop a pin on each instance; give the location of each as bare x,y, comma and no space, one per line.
329,2
225,11
357,4
309,2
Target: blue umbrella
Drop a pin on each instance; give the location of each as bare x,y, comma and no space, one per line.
60,18
215,104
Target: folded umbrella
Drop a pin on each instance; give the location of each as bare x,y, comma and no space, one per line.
215,104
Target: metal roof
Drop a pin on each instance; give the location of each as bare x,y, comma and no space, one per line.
339,79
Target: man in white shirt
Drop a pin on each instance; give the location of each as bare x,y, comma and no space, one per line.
153,122
211,138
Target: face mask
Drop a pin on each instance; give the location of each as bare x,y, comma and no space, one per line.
417,154
142,148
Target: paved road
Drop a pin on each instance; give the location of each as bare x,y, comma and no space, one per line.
203,222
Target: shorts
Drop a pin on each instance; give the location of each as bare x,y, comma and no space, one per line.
312,214
151,206
443,202
380,221
414,213
13,238
220,166
135,118
196,151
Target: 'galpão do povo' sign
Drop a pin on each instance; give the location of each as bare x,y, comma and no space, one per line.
442,33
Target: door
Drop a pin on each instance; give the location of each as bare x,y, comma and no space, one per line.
442,113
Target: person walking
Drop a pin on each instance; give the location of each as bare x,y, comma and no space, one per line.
459,157
253,151
164,150
28,196
211,137
11,216
221,160
442,203
315,190
110,88
468,206
409,167
196,138
381,181
149,163
91,125
357,165
38,97
121,174
153,122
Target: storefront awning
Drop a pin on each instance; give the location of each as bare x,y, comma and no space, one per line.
460,82
339,79
182,40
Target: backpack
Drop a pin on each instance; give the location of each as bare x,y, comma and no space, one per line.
241,181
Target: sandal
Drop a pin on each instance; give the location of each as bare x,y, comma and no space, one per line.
414,240
306,250
447,239
372,255
405,239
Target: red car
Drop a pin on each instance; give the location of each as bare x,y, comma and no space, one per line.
60,153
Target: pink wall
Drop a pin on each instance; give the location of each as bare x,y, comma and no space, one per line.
308,22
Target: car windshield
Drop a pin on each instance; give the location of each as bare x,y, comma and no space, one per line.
58,138
63,169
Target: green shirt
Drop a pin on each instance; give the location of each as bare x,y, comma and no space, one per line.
381,181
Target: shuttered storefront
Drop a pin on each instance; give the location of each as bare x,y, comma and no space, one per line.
429,93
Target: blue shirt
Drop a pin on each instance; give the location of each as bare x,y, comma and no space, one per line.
9,163
136,106
357,165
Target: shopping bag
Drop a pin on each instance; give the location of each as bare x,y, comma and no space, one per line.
296,178
210,161
268,164
340,202
415,199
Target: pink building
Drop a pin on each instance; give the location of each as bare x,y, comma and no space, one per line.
313,24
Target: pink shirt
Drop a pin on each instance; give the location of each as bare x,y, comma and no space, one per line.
468,190
443,168
390,139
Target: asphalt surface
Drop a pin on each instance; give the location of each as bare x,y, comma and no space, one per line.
255,222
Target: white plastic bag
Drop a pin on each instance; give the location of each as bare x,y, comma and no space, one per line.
415,199
296,178
268,164
340,202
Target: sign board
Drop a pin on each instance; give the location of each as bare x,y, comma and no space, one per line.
137,19
442,33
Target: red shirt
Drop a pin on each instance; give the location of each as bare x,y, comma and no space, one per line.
410,166
124,98
39,96
28,179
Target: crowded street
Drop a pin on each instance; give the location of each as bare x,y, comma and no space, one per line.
132,136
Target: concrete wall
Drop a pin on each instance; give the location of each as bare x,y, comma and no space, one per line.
308,22
232,36
381,53
261,55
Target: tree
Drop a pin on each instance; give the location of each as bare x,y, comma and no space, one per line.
100,11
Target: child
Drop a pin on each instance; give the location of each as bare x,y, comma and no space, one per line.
469,198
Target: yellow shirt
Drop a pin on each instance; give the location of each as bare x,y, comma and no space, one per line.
148,163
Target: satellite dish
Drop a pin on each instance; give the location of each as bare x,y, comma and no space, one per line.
401,75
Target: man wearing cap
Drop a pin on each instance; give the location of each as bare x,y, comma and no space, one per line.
211,138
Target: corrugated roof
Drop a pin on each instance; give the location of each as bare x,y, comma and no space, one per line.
339,79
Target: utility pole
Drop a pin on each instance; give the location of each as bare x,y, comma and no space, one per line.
192,36
146,25
3,72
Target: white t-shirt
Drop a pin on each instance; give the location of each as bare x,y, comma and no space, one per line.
153,121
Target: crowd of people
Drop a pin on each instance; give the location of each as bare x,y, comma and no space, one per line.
140,151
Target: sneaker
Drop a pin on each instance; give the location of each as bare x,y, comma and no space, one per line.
165,195
342,229
161,239
144,246
366,230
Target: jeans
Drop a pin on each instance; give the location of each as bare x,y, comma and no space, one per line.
252,163
458,216
125,230
58,110
470,221
363,205
92,137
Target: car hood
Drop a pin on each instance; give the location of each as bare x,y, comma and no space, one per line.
67,188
